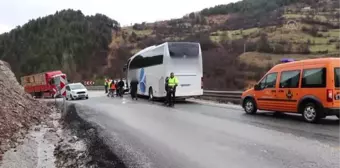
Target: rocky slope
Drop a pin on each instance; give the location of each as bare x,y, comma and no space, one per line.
18,110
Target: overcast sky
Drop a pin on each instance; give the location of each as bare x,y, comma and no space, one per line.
18,12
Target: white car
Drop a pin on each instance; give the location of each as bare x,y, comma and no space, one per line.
76,91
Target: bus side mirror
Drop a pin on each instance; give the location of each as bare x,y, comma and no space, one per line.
124,68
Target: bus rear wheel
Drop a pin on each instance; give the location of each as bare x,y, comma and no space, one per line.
151,94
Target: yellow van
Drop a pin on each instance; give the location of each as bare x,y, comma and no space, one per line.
310,87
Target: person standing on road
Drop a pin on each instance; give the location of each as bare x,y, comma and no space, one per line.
121,87
112,88
117,88
106,85
133,91
166,89
172,84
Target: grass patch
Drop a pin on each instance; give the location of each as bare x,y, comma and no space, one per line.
294,37
134,51
233,34
146,32
316,40
332,33
143,32
293,16
297,37
316,48
239,33
265,59
297,16
215,38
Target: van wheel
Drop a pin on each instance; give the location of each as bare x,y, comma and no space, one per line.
151,94
338,116
249,106
311,113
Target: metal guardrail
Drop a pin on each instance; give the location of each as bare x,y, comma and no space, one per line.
95,87
221,96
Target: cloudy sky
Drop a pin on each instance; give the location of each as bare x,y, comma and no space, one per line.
18,12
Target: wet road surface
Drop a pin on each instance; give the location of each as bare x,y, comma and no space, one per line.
206,135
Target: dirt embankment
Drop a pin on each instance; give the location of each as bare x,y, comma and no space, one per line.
18,110
36,134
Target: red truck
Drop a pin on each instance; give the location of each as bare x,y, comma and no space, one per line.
43,84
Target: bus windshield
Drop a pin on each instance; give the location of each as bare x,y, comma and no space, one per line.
182,50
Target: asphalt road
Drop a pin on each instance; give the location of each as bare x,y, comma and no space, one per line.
207,135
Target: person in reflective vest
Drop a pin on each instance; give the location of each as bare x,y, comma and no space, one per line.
106,85
172,84
109,81
112,88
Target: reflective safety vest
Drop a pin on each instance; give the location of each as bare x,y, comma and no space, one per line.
105,83
113,86
172,81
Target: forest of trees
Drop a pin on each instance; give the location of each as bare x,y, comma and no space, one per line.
67,40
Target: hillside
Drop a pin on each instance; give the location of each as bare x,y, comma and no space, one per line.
240,41
66,40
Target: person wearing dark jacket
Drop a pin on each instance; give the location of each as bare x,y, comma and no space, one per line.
121,87
117,88
166,84
166,89
133,91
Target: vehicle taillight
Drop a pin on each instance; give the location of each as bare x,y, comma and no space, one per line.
201,82
329,95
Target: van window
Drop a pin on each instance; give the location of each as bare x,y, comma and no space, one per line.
337,77
269,81
314,78
290,79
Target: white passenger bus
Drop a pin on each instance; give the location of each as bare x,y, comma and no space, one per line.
152,65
